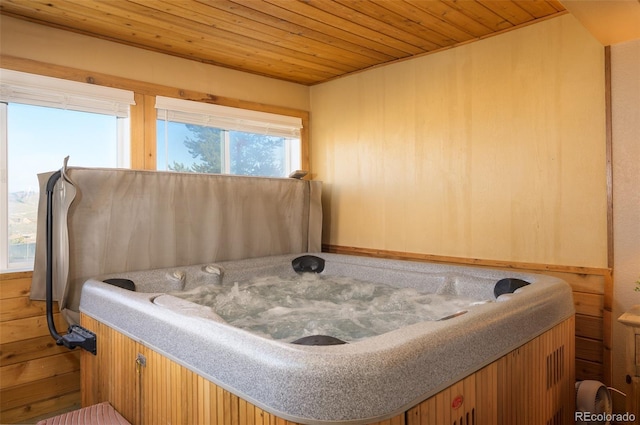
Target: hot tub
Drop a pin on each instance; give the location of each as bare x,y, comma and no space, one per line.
361,381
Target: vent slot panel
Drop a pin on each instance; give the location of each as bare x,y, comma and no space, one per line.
469,418
555,367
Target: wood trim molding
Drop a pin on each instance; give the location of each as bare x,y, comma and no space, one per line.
149,141
16,275
147,91
401,255
608,293
74,74
609,153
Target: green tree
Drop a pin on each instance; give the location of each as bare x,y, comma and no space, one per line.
250,154
256,155
204,146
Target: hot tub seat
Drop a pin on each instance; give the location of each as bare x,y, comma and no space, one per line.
364,381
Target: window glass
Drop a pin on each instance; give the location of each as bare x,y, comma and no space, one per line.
209,138
257,155
37,140
184,145
189,148
42,121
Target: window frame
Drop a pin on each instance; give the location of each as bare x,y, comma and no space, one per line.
143,113
4,189
230,119
42,91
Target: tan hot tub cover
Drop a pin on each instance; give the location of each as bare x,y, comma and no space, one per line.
116,220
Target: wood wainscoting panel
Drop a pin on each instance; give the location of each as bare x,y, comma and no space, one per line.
532,384
37,377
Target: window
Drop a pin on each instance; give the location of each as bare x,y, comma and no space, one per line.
43,120
206,138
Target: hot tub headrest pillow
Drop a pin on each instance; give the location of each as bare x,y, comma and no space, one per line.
308,263
121,283
508,286
319,340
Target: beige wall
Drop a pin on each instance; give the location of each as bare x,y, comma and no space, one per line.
625,97
26,40
492,150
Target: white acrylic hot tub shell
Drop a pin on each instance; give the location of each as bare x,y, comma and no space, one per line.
366,381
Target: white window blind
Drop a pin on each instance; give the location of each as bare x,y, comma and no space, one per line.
227,118
20,87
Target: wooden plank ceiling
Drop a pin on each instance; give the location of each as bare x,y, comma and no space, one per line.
303,41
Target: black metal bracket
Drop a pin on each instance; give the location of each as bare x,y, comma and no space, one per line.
76,336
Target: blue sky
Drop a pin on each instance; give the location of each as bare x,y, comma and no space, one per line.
174,144
39,138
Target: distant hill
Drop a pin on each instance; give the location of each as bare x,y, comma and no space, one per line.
23,216
25,197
